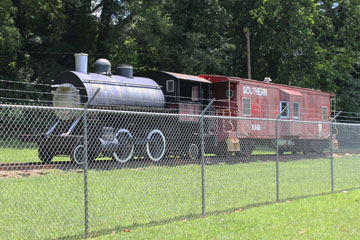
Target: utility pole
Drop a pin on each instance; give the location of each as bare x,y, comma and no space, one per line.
247,33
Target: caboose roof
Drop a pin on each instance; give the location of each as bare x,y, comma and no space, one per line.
219,78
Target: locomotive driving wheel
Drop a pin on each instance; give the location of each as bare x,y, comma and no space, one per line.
125,149
194,151
156,145
77,154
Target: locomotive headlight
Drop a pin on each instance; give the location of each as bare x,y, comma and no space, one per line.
66,96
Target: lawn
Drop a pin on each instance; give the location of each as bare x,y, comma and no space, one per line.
49,205
334,216
17,151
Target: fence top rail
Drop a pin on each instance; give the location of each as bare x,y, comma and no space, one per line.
39,107
128,112
266,119
347,124
131,112
134,112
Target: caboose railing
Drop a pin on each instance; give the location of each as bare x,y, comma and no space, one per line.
223,113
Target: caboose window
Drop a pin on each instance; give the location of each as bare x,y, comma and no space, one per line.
296,109
170,86
283,105
324,114
246,106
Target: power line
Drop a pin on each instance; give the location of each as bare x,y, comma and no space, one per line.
55,53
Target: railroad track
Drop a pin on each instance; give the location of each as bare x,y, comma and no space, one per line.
141,163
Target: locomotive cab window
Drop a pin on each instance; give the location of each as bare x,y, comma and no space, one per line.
324,114
170,85
283,105
296,110
246,106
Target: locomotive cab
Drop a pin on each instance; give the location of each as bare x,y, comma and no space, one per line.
187,94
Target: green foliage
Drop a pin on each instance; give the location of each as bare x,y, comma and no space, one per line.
9,35
9,38
306,43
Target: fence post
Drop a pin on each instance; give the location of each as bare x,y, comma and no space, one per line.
203,158
86,165
277,152
332,151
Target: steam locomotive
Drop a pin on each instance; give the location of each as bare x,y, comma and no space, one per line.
119,137
124,136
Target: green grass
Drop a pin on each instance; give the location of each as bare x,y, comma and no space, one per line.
21,152
334,216
51,205
17,151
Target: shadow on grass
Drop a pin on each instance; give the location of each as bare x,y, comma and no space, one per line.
120,228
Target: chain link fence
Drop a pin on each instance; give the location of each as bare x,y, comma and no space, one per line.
70,173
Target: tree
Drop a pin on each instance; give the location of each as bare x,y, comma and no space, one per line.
338,34
288,51
306,43
9,39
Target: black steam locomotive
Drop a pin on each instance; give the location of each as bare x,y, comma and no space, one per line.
122,136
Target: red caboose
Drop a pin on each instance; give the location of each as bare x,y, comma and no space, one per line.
260,101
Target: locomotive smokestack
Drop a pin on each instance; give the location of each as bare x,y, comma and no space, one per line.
81,62
124,70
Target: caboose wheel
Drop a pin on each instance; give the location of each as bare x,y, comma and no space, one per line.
155,145
125,150
45,155
193,151
246,149
222,151
306,152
